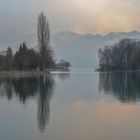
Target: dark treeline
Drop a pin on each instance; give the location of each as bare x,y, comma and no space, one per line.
24,59
125,86
28,58
124,55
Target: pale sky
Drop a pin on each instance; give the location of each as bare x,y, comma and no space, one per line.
19,17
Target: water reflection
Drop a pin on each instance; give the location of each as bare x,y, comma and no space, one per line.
63,76
29,87
25,87
125,86
46,84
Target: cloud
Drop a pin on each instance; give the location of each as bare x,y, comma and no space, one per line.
82,16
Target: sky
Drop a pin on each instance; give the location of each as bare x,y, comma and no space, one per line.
18,18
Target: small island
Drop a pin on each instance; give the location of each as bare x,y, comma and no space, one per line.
121,56
29,61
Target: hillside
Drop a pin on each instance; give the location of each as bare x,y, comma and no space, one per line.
82,50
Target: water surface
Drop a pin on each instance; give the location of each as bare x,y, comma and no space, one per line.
77,105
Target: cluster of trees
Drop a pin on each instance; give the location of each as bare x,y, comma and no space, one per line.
124,55
25,58
62,64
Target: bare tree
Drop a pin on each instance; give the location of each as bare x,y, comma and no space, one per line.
105,57
43,40
124,55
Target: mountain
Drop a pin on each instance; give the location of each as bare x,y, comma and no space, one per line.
82,50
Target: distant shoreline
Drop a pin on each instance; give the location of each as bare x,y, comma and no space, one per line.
108,71
26,73
22,73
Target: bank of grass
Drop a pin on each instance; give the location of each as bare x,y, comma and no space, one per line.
30,72
25,73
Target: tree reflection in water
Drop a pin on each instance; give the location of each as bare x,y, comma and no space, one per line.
125,86
63,76
25,88
29,87
46,84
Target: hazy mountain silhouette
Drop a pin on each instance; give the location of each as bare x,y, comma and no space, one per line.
82,50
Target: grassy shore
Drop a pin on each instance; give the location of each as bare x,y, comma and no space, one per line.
22,73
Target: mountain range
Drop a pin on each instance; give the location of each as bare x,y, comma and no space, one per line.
82,50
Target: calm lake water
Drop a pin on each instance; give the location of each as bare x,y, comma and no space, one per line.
80,105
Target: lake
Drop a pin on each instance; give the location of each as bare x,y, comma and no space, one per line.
76,105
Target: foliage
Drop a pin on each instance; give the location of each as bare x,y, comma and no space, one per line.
27,58
124,55
45,52
6,59
63,64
